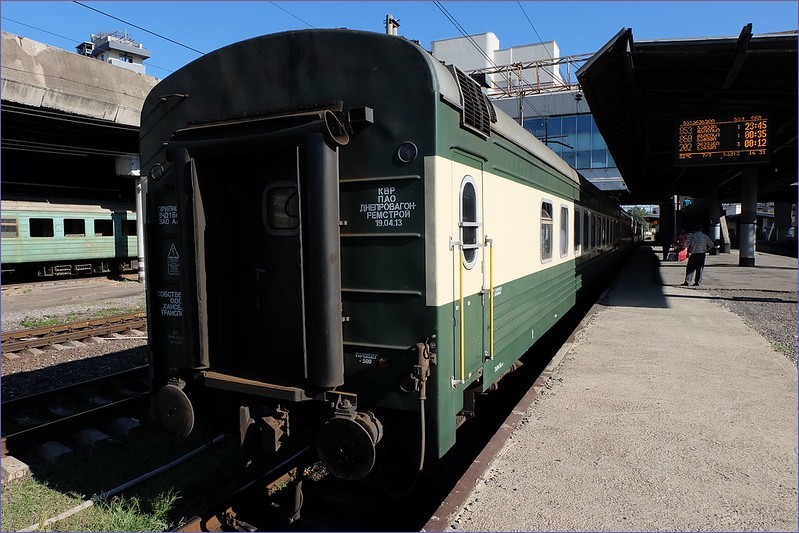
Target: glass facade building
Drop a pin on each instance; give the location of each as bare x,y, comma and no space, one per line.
561,118
575,138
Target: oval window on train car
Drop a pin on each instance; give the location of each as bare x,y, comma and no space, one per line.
468,221
281,209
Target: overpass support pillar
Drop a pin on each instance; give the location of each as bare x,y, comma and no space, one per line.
140,228
715,219
748,224
782,220
667,223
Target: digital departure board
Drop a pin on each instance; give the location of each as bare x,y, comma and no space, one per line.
723,140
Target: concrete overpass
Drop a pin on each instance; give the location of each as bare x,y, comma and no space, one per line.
70,125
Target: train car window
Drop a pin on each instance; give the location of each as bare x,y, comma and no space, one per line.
41,227
546,231
74,227
564,230
594,232
129,228
601,230
469,222
104,228
281,209
10,227
586,230
598,232
577,232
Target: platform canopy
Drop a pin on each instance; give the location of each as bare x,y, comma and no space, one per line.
655,100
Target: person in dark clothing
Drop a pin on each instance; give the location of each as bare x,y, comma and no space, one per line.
665,243
698,245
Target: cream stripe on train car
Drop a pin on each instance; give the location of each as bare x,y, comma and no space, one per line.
510,214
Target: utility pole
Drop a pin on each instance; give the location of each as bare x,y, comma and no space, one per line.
391,25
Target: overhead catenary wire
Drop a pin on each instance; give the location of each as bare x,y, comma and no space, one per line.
40,29
463,32
93,93
140,28
293,15
54,115
540,40
53,148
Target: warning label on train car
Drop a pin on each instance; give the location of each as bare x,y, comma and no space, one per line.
389,208
173,261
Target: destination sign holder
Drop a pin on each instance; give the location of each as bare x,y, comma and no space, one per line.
723,140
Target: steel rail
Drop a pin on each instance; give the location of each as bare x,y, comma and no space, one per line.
16,435
213,518
15,341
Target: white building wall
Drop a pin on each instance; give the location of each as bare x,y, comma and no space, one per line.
461,52
529,53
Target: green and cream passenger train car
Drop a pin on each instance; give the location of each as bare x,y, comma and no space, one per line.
346,238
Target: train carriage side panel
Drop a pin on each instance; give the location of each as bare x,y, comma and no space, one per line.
529,295
50,233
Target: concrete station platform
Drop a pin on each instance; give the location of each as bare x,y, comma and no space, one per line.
667,412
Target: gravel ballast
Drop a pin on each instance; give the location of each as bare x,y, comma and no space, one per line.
28,372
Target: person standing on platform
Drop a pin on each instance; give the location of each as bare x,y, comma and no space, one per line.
698,245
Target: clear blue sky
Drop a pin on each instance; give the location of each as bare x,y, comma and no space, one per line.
578,27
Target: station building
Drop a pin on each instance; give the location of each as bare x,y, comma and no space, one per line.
626,145
535,85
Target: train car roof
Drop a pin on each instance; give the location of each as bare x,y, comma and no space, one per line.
444,83
73,206
505,126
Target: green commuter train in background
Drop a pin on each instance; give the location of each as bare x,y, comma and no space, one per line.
66,238
347,242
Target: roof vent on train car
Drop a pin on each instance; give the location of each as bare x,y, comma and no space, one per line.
477,110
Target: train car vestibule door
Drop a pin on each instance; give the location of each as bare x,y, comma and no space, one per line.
468,263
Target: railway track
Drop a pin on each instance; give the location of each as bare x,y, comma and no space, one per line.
16,341
233,512
334,505
32,419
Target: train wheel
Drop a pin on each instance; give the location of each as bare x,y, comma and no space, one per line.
174,410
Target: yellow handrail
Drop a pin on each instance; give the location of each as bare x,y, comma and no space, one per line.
491,296
463,348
